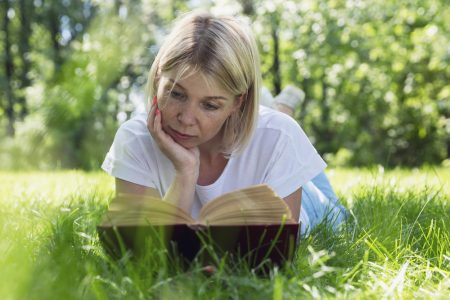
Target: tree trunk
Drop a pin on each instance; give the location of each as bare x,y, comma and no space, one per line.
275,23
24,50
247,7
54,33
9,70
304,104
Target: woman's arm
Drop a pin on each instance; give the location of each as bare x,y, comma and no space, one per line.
294,202
186,162
176,192
126,187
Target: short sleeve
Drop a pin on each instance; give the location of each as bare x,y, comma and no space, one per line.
128,157
294,162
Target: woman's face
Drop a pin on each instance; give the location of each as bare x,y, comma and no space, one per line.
193,111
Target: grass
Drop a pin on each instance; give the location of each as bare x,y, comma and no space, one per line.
395,244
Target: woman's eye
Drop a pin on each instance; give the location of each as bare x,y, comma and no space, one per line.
177,95
210,106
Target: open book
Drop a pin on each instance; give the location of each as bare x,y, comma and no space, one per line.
248,221
254,205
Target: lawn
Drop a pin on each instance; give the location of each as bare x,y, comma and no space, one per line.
395,244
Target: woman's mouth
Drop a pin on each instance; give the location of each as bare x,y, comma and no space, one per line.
180,136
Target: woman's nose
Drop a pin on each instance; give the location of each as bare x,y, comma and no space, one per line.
187,116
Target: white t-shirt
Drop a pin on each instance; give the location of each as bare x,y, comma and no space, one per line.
279,154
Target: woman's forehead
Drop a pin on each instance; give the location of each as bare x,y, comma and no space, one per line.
192,79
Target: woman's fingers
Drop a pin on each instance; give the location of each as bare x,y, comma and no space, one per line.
157,121
154,125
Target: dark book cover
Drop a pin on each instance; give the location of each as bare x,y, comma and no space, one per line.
273,244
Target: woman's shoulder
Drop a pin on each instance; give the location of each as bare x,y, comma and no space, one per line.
279,128
273,120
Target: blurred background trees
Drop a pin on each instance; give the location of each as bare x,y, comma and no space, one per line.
376,74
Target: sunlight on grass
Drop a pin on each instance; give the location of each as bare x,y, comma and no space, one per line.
52,187
348,181
394,245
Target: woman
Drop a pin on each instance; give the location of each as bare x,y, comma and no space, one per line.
205,133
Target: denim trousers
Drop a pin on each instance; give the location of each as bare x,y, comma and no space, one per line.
320,204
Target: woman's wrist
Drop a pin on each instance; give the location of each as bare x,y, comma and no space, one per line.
182,190
186,178
188,171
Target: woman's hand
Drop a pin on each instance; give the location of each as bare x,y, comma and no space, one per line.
185,161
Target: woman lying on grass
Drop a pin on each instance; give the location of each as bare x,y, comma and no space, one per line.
205,133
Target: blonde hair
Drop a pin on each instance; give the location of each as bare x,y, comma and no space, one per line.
223,49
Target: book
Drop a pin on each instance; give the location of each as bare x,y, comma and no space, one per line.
252,224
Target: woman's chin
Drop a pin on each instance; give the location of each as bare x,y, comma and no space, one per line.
186,144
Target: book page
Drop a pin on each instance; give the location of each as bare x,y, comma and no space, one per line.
254,205
133,210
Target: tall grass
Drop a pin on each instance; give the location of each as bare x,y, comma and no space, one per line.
394,245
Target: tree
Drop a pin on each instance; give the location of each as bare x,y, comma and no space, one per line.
8,69
374,74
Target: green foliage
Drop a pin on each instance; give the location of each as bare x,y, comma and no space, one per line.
79,108
375,74
77,102
395,244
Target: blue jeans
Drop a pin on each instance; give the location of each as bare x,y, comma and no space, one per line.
320,204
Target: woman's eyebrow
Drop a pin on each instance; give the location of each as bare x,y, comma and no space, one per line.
215,98
177,84
207,97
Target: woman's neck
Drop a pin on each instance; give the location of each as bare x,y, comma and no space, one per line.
212,164
213,149
209,156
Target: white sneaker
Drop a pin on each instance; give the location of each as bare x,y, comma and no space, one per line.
290,96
